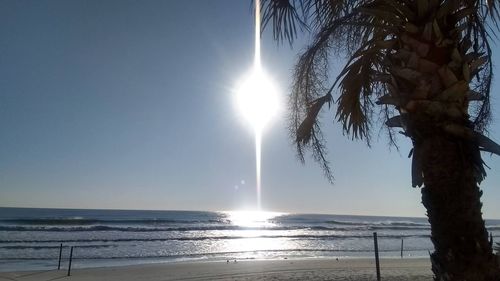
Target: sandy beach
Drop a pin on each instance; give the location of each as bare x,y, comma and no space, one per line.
304,269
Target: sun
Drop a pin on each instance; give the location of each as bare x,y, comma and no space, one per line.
257,98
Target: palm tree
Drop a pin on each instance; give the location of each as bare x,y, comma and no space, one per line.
427,65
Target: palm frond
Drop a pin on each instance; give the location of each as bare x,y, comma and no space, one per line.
356,86
285,19
372,34
306,128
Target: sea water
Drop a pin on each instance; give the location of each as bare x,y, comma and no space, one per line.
30,238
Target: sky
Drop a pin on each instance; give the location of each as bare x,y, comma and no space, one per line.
125,104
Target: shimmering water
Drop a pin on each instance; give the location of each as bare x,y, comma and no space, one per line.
30,238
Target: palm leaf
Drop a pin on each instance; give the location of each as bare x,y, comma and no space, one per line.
306,128
284,17
370,32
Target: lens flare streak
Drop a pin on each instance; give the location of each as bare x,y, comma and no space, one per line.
258,101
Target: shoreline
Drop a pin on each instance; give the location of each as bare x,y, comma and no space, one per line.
32,265
276,269
47,264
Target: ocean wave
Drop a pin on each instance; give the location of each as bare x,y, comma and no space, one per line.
223,237
130,228
344,222
43,247
224,254
383,227
368,227
187,228
86,221
146,225
379,223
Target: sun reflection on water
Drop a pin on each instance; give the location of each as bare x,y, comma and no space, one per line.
255,236
252,219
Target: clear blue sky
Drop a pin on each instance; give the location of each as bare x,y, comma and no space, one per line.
129,104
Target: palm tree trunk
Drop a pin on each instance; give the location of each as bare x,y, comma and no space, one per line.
452,199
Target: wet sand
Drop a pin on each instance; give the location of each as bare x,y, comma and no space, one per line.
285,269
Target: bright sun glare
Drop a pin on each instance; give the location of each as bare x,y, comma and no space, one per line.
258,101
252,218
257,98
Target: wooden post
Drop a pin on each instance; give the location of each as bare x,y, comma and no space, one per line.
70,259
60,254
401,247
491,239
377,264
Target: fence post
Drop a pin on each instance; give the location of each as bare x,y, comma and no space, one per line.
60,254
70,259
377,264
401,247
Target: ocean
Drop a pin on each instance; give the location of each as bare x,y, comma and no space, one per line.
30,238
